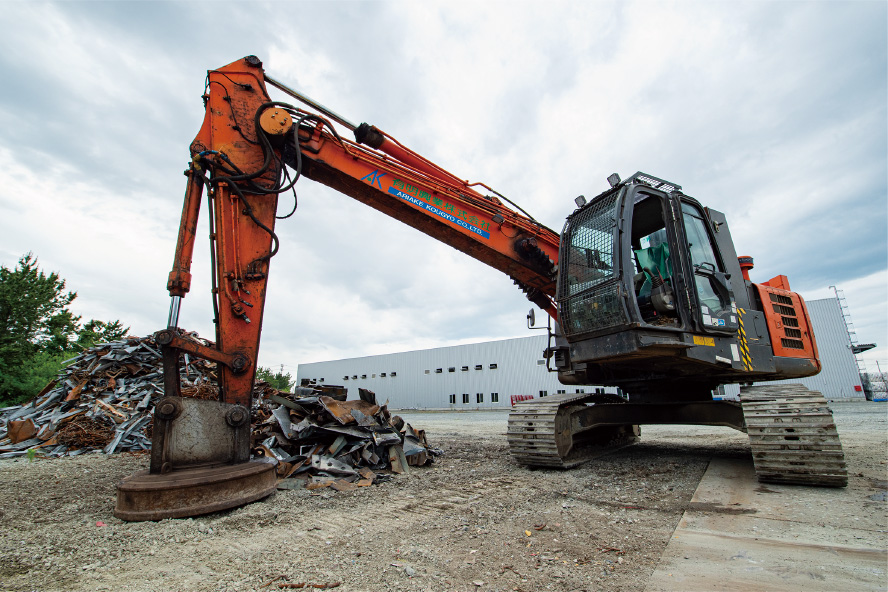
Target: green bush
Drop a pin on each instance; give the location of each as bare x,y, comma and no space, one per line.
282,381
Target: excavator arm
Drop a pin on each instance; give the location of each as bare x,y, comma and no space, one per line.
249,150
239,159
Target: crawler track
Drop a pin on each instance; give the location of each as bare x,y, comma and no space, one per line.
793,436
540,431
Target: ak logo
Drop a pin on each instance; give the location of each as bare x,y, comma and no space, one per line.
374,178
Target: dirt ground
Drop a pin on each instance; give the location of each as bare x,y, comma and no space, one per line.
472,521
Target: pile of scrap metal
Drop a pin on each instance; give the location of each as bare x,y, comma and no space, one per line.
322,440
103,399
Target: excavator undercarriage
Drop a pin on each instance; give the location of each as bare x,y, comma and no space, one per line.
791,430
566,430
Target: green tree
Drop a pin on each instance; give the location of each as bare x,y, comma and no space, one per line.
282,381
94,332
38,331
33,312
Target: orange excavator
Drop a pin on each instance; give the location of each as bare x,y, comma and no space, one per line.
643,289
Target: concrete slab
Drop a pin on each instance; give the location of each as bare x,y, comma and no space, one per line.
739,534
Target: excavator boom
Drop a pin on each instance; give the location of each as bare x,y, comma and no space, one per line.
438,205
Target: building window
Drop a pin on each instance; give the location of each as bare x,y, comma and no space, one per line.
345,378
374,376
580,391
321,380
494,397
363,376
452,369
479,366
382,375
438,371
544,393
465,368
355,377
479,397
453,399
493,366
562,391
465,397
541,362
393,374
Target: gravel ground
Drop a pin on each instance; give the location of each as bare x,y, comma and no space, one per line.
472,521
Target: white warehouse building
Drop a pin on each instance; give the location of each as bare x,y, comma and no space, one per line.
474,376
491,374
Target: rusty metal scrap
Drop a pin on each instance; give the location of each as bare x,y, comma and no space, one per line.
21,430
80,432
343,411
104,400
330,442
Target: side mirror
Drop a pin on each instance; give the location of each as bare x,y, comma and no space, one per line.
531,319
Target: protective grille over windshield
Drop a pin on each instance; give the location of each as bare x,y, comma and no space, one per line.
590,248
597,309
588,292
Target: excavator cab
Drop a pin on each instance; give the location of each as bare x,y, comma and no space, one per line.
652,298
643,274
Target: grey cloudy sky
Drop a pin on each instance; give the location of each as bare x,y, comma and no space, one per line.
772,112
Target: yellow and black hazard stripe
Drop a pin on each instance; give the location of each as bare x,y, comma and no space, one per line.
744,346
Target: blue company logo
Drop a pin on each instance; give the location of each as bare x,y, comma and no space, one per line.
440,213
374,178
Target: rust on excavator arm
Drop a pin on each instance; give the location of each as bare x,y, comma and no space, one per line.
241,247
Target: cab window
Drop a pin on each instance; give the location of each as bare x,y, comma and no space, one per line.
704,261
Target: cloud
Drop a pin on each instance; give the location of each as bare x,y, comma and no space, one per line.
772,113
111,248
